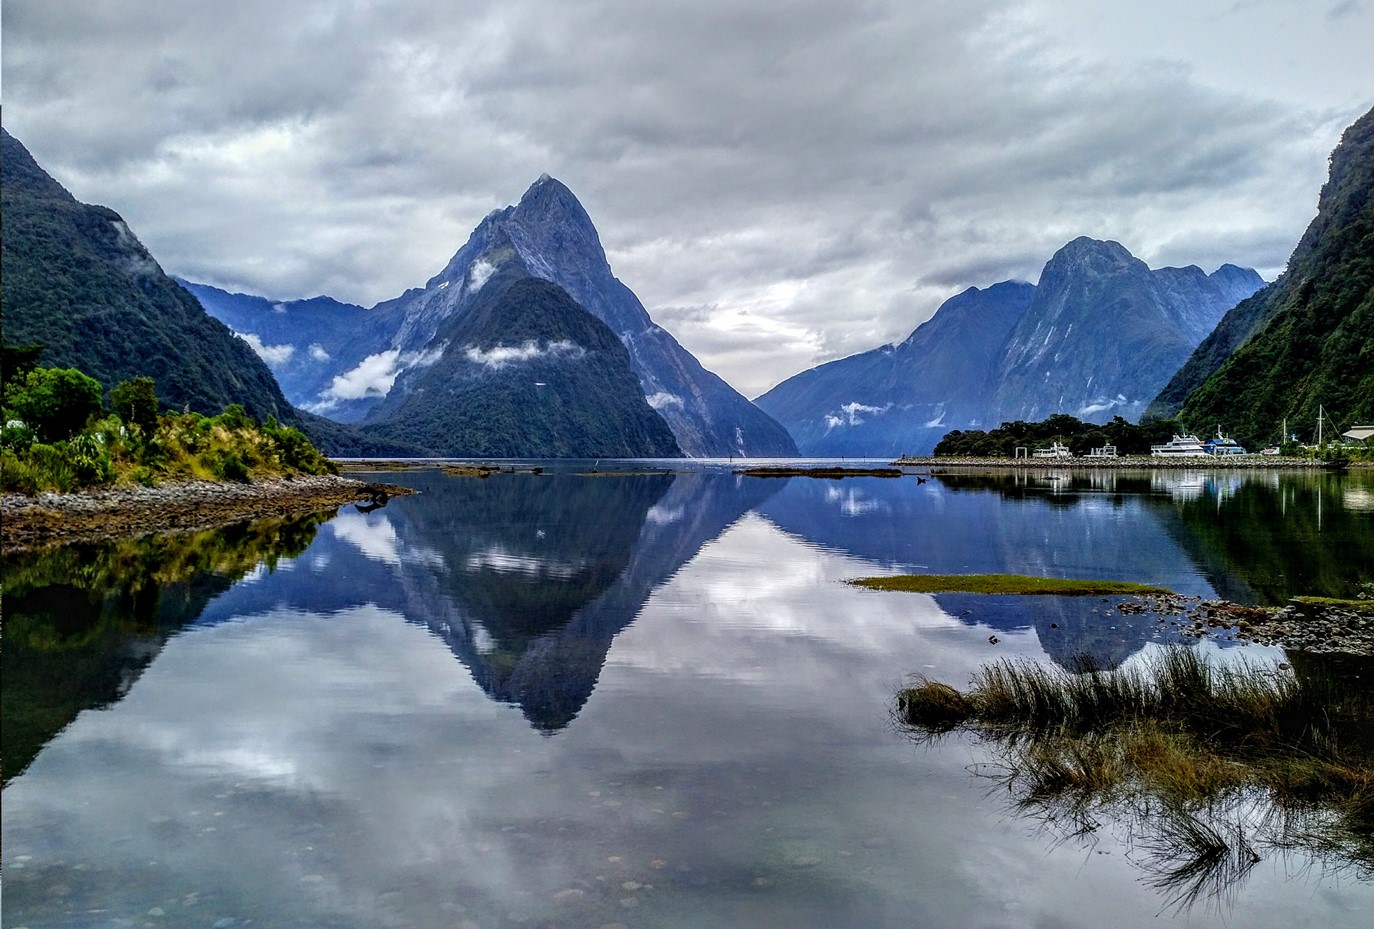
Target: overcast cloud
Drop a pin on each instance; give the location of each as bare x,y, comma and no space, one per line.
780,183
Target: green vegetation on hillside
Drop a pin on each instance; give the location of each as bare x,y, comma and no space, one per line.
569,392
1079,436
81,288
1313,346
58,436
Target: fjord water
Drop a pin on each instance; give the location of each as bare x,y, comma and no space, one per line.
641,700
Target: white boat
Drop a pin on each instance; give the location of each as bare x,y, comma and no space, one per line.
1054,451
1106,451
1180,446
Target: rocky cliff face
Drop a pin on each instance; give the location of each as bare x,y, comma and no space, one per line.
1307,340
549,235
1104,332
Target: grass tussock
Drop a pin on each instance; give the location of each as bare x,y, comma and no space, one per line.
1006,584
1185,751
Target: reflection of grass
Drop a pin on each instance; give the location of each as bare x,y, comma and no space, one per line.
1184,752
1005,584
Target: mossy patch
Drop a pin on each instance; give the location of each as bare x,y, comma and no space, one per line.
1360,606
1007,584
832,473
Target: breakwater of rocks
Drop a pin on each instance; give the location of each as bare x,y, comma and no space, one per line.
1125,463
113,512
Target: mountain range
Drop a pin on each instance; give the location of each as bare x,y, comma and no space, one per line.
1097,337
366,376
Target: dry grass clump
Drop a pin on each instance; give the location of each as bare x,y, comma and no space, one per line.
1183,749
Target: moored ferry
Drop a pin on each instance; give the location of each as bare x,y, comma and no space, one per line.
1180,446
1223,445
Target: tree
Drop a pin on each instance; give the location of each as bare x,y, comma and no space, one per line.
135,402
55,402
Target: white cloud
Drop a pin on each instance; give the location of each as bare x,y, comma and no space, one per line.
375,375
371,377
480,272
274,355
317,352
501,356
853,414
663,399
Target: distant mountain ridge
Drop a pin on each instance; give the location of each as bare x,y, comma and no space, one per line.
1096,338
902,398
546,235
1104,332
1307,340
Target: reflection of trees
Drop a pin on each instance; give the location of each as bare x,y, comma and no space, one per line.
83,621
1290,538
1263,537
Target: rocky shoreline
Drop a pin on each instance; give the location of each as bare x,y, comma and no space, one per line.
1304,625
181,506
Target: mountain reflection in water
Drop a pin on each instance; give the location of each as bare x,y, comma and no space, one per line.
702,735
526,578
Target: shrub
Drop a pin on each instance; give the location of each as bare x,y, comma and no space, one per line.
135,401
56,402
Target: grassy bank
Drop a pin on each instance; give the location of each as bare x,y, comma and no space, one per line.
1182,751
1006,584
58,436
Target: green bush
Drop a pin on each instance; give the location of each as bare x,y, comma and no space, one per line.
55,402
230,466
16,474
135,402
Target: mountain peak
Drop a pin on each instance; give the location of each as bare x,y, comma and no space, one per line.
549,200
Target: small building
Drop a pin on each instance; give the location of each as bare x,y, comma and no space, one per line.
1358,435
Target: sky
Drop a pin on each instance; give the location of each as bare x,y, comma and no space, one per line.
781,183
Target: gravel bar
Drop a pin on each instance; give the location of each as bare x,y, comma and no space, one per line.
97,515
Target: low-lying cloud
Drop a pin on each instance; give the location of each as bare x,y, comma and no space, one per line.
854,414
374,376
274,355
503,356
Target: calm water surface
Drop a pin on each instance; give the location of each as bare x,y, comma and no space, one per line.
640,701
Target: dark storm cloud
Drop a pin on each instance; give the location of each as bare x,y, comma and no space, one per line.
819,175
